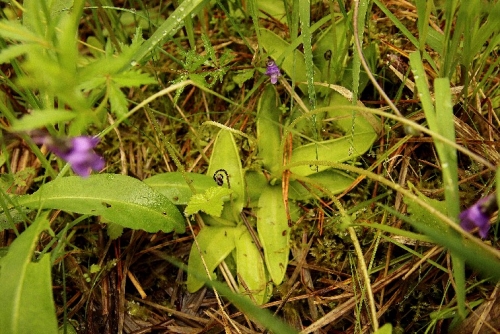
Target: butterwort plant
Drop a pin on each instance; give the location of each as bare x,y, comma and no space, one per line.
77,151
479,214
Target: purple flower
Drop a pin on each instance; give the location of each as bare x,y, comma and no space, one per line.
478,215
273,71
77,151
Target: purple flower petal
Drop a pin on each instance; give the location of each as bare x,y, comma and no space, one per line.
77,151
478,215
273,71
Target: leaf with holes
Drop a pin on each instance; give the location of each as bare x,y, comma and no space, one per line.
119,199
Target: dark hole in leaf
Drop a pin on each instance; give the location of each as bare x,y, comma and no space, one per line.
328,54
107,205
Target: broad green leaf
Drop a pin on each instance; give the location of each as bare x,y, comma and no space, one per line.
215,243
250,268
26,286
336,150
40,118
226,157
275,9
255,181
274,232
117,198
210,202
351,121
117,99
332,180
268,130
174,186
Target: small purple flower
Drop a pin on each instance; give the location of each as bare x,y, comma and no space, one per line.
273,71
77,151
479,214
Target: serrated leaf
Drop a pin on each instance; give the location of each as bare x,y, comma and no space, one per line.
250,268
16,31
120,199
40,118
117,99
14,51
274,232
210,202
114,231
242,76
26,286
174,185
215,243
